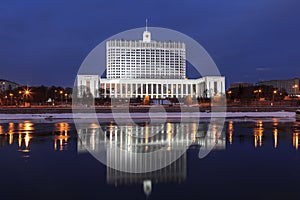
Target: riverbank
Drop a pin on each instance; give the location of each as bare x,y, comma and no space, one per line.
139,109
156,115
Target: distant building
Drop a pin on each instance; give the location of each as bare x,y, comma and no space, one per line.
148,68
237,85
290,86
8,85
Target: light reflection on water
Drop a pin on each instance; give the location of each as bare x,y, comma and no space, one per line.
25,132
257,134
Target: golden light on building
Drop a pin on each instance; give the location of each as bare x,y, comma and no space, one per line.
295,86
1,130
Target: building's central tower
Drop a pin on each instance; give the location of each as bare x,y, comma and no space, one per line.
140,59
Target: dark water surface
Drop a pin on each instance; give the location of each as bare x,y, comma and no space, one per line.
255,159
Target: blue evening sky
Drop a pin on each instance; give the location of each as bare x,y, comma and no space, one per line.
45,41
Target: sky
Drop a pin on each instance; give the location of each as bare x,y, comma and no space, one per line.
44,42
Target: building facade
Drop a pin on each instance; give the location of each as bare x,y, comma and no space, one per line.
147,60
290,86
148,68
8,85
241,84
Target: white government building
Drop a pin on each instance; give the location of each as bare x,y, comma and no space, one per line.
148,68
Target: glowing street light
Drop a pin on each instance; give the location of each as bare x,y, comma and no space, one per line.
295,88
11,97
66,97
274,93
27,92
229,94
61,96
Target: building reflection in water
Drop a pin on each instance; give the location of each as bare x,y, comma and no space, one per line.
23,132
275,132
296,136
11,128
258,133
147,138
62,139
230,131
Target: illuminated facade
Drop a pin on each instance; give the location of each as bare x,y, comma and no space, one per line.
290,86
148,68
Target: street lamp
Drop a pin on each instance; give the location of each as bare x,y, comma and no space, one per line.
27,93
229,94
259,91
61,96
19,97
274,93
11,96
295,88
66,96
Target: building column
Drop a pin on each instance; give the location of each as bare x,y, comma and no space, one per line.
152,90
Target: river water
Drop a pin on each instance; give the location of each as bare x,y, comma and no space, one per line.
251,159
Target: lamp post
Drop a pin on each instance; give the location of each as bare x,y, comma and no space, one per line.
274,93
11,97
255,92
61,96
19,97
295,88
66,97
27,94
229,95
259,91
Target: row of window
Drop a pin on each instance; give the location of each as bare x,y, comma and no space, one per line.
140,44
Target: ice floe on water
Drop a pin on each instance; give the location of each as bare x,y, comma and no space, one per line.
170,115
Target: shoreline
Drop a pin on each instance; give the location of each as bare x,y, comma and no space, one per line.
142,112
142,109
157,115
